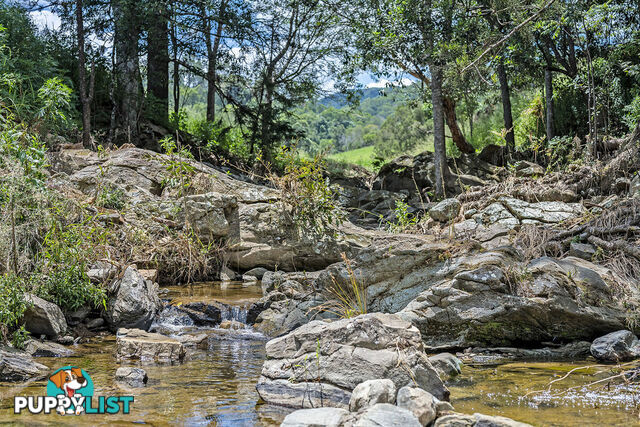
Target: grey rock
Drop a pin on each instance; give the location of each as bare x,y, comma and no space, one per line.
210,214
95,323
619,346
43,317
446,210
147,346
133,301
370,392
386,415
528,169
582,250
132,377
227,274
18,366
46,349
101,272
446,364
254,274
476,420
334,357
421,403
551,298
316,417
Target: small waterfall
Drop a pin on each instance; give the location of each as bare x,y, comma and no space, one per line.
234,312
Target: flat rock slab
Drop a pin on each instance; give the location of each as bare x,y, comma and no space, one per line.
147,346
18,366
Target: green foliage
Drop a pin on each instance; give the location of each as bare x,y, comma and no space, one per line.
54,97
529,126
12,307
62,274
111,197
632,113
178,165
404,219
306,193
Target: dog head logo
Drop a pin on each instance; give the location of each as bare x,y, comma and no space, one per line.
72,385
69,380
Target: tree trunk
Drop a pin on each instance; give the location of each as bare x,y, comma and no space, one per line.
158,63
212,66
127,66
176,73
548,94
452,122
86,95
267,116
506,108
439,144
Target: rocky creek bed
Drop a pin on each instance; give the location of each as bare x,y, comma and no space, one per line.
215,384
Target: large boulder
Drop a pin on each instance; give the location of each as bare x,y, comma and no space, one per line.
421,403
43,317
386,415
133,301
320,363
446,210
619,346
18,366
371,392
210,215
147,346
495,301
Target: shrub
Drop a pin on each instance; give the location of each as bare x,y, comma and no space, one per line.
12,307
111,197
63,263
306,193
404,219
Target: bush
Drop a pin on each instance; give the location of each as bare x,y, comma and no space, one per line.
63,263
306,193
111,197
12,308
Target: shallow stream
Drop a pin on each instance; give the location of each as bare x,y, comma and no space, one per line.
217,387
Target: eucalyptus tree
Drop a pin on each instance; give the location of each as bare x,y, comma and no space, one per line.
420,38
288,52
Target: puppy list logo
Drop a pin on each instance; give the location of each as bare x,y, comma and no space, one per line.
70,391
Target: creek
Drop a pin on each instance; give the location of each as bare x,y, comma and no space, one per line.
216,386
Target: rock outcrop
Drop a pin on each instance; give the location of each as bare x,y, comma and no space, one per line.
320,363
18,366
133,301
43,317
370,392
247,217
489,301
619,346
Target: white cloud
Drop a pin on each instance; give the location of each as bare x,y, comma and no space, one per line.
45,19
385,83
